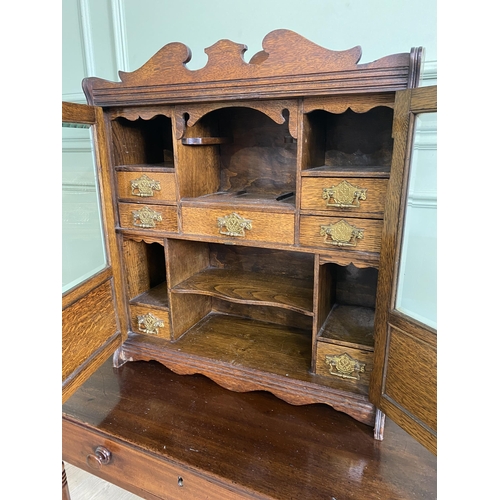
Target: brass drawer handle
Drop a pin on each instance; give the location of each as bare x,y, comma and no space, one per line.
341,234
148,323
101,456
233,225
344,366
144,186
145,217
344,195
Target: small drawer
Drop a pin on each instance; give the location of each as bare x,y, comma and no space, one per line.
347,233
273,227
362,196
155,217
344,362
150,321
147,186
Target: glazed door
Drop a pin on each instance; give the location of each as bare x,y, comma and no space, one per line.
405,367
91,299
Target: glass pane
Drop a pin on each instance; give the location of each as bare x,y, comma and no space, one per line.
83,251
417,282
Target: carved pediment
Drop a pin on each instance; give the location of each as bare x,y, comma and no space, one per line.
281,67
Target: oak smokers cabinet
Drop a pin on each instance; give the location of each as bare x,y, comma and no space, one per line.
253,214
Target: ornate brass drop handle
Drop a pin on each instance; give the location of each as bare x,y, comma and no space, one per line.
145,217
144,186
344,195
341,234
233,225
148,323
344,366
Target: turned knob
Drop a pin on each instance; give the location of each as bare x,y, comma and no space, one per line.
101,456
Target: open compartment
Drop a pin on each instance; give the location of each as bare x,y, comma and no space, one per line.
252,304
345,319
145,272
238,155
348,143
141,142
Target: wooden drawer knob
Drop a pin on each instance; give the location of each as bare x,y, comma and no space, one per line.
101,456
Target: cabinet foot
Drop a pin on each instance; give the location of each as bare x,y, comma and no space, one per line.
119,358
378,430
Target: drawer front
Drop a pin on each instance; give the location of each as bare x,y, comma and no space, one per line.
347,233
239,225
153,217
342,362
143,473
344,196
146,186
150,321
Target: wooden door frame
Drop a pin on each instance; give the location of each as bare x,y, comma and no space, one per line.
93,116
408,104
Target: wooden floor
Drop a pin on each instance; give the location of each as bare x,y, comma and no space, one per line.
85,486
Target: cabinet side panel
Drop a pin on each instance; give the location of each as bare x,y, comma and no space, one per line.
86,326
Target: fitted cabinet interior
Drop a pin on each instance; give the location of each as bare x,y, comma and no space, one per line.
249,217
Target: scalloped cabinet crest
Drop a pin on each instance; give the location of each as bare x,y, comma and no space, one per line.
277,68
247,206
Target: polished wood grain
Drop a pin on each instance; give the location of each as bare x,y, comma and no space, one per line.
105,330
266,226
349,326
360,355
262,146
404,375
86,325
160,313
166,191
224,444
244,354
276,70
251,288
77,113
372,206
273,109
167,214
310,227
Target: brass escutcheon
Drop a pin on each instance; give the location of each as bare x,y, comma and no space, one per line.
144,186
344,366
146,217
149,323
344,195
234,225
341,234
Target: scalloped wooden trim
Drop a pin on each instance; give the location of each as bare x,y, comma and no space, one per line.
142,112
272,109
239,379
357,103
288,66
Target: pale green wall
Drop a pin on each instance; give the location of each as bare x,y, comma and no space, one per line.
101,37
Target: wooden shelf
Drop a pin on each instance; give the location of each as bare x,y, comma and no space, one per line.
156,297
160,167
350,326
251,288
283,202
347,171
205,141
